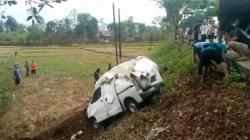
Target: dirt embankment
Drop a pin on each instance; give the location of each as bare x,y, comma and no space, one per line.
217,112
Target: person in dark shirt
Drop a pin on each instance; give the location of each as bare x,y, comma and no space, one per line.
212,52
17,74
109,67
97,74
27,69
196,31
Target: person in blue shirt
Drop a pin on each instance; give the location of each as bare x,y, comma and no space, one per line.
212,52
197,47
17,74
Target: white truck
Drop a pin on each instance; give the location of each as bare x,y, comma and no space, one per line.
123,88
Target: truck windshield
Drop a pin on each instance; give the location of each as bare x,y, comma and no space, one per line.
96,96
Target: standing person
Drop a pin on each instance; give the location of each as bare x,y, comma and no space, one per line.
17,74
97,74
109,67
196,32
33,68
211,31
190,31
27,68
203,30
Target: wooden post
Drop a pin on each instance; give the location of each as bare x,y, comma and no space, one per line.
119,35
116,54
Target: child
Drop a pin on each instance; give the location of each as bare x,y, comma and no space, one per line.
33,68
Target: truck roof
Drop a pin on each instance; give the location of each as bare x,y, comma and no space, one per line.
137,66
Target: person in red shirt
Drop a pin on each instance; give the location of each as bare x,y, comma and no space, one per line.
33,68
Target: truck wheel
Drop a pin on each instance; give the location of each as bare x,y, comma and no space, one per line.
94,123
131,105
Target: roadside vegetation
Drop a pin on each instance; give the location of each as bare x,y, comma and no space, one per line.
174,59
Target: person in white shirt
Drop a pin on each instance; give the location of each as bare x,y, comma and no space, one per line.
210,31
204,30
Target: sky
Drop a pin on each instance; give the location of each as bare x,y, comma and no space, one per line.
143,11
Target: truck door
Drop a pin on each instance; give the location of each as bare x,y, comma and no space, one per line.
112,103
98,105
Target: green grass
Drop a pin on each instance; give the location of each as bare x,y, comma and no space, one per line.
54,61
174,60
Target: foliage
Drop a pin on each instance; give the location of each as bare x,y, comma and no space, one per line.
35,7
174,59
77,27
11,23
35,33
235,79
132,31
178,10
86,26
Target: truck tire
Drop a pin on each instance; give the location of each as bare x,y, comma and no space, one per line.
131,105
94,123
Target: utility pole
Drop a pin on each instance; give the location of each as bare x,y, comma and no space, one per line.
116,51
119,35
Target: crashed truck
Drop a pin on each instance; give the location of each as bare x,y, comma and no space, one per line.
234,13
123,88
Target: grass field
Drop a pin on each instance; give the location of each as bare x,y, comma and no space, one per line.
62,85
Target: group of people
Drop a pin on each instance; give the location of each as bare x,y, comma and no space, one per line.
236,47
201,31
29,68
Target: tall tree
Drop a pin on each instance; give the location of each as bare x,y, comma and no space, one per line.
86,27
11,23
178,10
50,27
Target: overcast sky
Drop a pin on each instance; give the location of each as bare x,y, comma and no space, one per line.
143,11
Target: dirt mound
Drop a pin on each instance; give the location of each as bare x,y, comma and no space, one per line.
217,112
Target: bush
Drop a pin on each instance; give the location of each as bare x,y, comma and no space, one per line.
174,60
